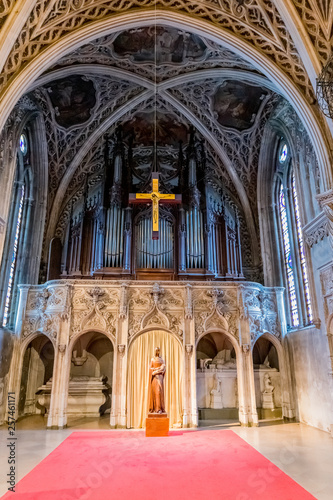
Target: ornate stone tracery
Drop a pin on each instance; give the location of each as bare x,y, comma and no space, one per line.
260,24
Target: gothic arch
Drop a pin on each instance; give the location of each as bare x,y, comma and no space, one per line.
276,343
172,351
17,365
129,20
69,352
152,328
288,403
223,332
79,334
26,341
240,368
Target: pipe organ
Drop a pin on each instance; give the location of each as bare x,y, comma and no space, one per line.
107,237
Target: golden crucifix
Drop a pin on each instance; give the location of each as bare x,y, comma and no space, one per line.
155,197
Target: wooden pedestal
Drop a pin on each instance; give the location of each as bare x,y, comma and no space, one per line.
157,425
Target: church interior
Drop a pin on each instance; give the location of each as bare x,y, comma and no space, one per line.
166,180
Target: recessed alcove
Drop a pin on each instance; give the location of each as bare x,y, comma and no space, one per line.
91,373
37,370
217,384
267,379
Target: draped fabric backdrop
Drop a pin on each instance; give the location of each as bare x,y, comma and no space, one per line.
140,354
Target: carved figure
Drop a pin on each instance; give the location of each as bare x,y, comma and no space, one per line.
156,383
269,388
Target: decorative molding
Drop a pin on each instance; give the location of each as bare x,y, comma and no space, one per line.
326,202
189,349
316,230
62,348
121,349
246,348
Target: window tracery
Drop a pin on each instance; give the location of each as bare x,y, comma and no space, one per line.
291,237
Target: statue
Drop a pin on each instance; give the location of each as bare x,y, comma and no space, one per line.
267,399
269,388
156,383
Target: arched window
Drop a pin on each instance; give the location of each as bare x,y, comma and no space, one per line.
291,238
17,229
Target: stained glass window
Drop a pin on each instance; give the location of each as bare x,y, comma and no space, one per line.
301,253
23,144
283,153
13,260
289,265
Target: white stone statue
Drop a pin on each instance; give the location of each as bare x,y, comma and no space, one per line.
216,394
267,395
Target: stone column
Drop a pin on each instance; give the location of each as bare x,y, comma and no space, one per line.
281,310
21,309
250,385
118,407
190,415
15,374
247,400
242,403
57,418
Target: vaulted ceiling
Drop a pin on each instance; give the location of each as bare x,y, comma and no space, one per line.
225,67
157,81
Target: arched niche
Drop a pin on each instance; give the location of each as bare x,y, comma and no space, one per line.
267,378
140,352
37,371
217,380
91,375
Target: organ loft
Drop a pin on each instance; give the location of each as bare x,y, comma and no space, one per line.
110,233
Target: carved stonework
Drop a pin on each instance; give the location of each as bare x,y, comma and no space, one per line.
188,302
316,230
326,203
246,348
123,301
326,278
189,349
134,325
121,349
176,323
44,323
148,306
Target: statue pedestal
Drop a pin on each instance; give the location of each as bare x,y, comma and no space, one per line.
267,400
157,425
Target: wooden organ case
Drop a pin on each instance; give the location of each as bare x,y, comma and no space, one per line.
108,238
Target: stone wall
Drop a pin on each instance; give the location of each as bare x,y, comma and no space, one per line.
6,352
313,380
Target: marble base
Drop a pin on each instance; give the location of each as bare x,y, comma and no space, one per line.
267,400
216,401
85,396
157,425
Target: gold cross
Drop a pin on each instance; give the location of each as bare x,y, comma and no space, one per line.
155,197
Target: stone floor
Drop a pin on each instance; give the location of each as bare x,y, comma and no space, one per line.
302,452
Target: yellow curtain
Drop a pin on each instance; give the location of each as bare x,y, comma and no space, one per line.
140,354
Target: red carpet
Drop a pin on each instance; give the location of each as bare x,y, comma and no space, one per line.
204,465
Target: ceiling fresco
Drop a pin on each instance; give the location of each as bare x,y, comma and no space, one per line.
73,99
156,128
236,104
177,52
159,45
